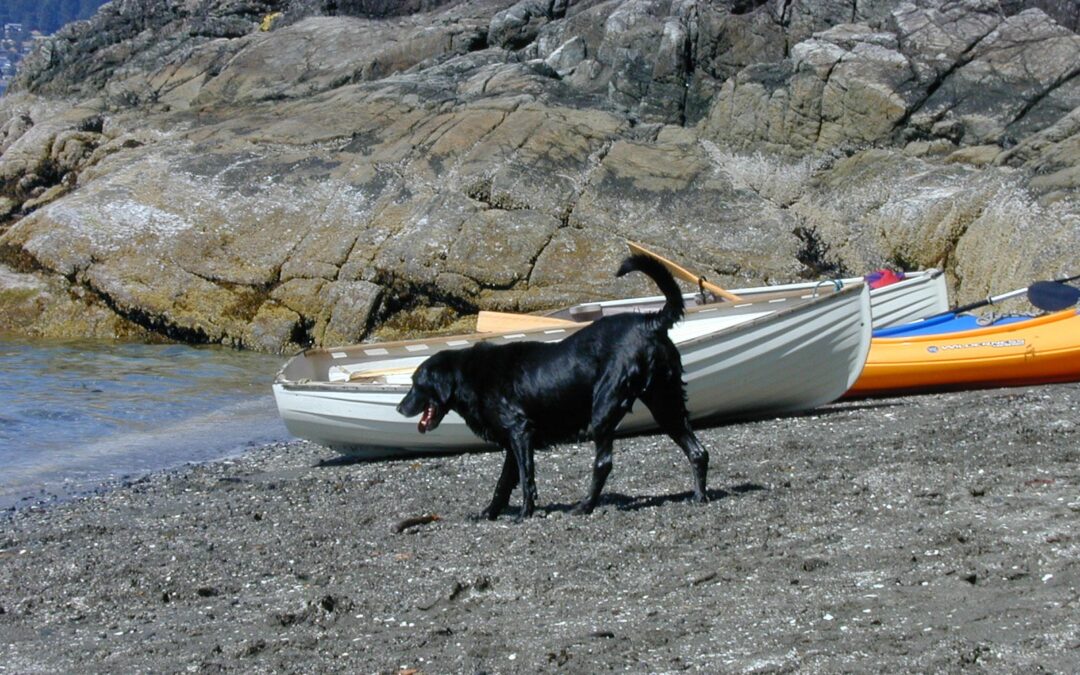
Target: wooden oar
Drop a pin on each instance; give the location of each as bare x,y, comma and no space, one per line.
503,322
376,373
500,322
683,273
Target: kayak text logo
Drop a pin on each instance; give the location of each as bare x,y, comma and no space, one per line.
1019,342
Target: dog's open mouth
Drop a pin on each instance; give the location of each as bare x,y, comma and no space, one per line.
429,419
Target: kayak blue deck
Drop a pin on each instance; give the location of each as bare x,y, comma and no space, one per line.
947,323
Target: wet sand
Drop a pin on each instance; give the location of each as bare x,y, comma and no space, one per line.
930,533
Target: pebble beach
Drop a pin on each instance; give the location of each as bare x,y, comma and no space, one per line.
934,533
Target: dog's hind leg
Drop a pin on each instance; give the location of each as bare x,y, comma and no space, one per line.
508,480
523,454
669,410
600,472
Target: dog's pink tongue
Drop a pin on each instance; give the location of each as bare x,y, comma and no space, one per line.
425,420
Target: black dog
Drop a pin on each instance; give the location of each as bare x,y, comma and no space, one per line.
529,395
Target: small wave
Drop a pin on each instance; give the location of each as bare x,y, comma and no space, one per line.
231,427
47,415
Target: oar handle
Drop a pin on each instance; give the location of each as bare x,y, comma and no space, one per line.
990,300
684,274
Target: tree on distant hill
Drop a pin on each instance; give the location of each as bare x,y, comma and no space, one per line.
46,16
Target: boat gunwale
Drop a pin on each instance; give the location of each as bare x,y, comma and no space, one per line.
916,278
808,303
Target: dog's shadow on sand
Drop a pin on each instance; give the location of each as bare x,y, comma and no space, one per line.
623,502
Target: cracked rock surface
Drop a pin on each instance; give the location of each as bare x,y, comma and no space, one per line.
365,165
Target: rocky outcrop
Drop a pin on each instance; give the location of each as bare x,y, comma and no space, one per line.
962,74
336,171
48,306
1052,157
132,35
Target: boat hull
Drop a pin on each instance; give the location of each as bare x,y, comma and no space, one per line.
796,361
766,363
1042,350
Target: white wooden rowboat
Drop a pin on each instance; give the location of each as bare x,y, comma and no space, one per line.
777,354
917,296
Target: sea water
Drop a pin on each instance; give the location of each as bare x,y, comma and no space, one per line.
75,415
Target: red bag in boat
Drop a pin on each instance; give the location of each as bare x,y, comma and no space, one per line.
883,278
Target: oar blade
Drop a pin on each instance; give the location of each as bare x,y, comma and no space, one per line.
1052,296
504,322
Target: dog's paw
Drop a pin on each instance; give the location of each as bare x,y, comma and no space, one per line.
700,498
583,509
490,513
522,516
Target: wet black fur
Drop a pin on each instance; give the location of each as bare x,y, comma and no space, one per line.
528,395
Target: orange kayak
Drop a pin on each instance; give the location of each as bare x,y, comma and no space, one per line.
1041,350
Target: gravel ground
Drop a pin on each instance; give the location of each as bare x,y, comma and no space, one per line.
930,533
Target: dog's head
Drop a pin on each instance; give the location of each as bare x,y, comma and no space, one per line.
432,391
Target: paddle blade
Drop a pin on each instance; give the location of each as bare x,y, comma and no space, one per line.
1052,296
505,322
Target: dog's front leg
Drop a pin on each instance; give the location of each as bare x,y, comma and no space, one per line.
601,469
508,479
523,451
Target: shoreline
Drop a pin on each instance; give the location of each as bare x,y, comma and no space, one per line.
933,532
59,490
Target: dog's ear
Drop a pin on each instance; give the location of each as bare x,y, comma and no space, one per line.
439,375
443,383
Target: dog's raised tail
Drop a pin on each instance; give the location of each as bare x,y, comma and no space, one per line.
673,309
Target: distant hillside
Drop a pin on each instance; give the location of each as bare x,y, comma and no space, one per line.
47,16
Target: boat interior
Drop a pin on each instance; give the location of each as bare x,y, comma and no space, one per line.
391,364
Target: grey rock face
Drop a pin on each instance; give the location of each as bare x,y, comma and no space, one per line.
353,166
963,74
1016,79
